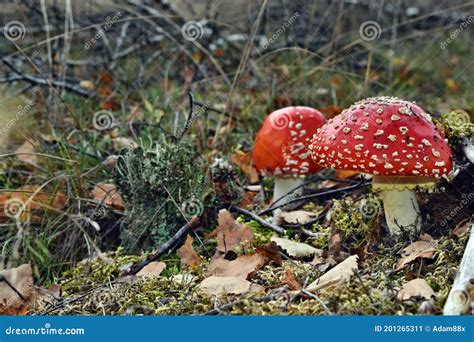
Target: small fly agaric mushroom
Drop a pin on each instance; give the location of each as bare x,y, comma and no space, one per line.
281,147
394,140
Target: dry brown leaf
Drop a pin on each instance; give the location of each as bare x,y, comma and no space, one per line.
29,199
344,174
225,285
416,288
21,279
153,269
231,235
25,153
338,275
291,281
242,267
247,199
244,162
424,248
271,252
294,217
462,227
187,254
107,194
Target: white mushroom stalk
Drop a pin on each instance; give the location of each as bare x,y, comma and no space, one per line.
402,212
459,299
283,186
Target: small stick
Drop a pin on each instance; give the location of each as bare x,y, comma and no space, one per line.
193,223
257,218
318,194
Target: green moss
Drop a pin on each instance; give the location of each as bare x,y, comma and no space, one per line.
100,270
355,219
457,126
163,186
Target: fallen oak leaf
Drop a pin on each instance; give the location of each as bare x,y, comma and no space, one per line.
419,249
153,269
244,162
22,202
227,285
232,235
107,194
293,217
271,251
16,287
416,288
187,254
242,267
295,249
336,276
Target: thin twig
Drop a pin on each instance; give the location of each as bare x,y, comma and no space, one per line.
260,220
328,192
164,248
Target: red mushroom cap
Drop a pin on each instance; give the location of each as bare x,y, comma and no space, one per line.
383,136
281,145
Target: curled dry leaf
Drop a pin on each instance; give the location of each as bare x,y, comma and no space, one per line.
271,252
153,269
424,248
107,194
291,281
338,275
21,279
296,249
293,217
416,288
232,235
227,285
242,267
244,162
187,255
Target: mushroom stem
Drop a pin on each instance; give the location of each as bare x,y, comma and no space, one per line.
402,212
459,300
283,185
468,149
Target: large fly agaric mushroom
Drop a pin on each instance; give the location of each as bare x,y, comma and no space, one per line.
394,140
281,147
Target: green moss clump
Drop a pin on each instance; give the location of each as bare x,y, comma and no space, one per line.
457,126
163,186
100,270
356,219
